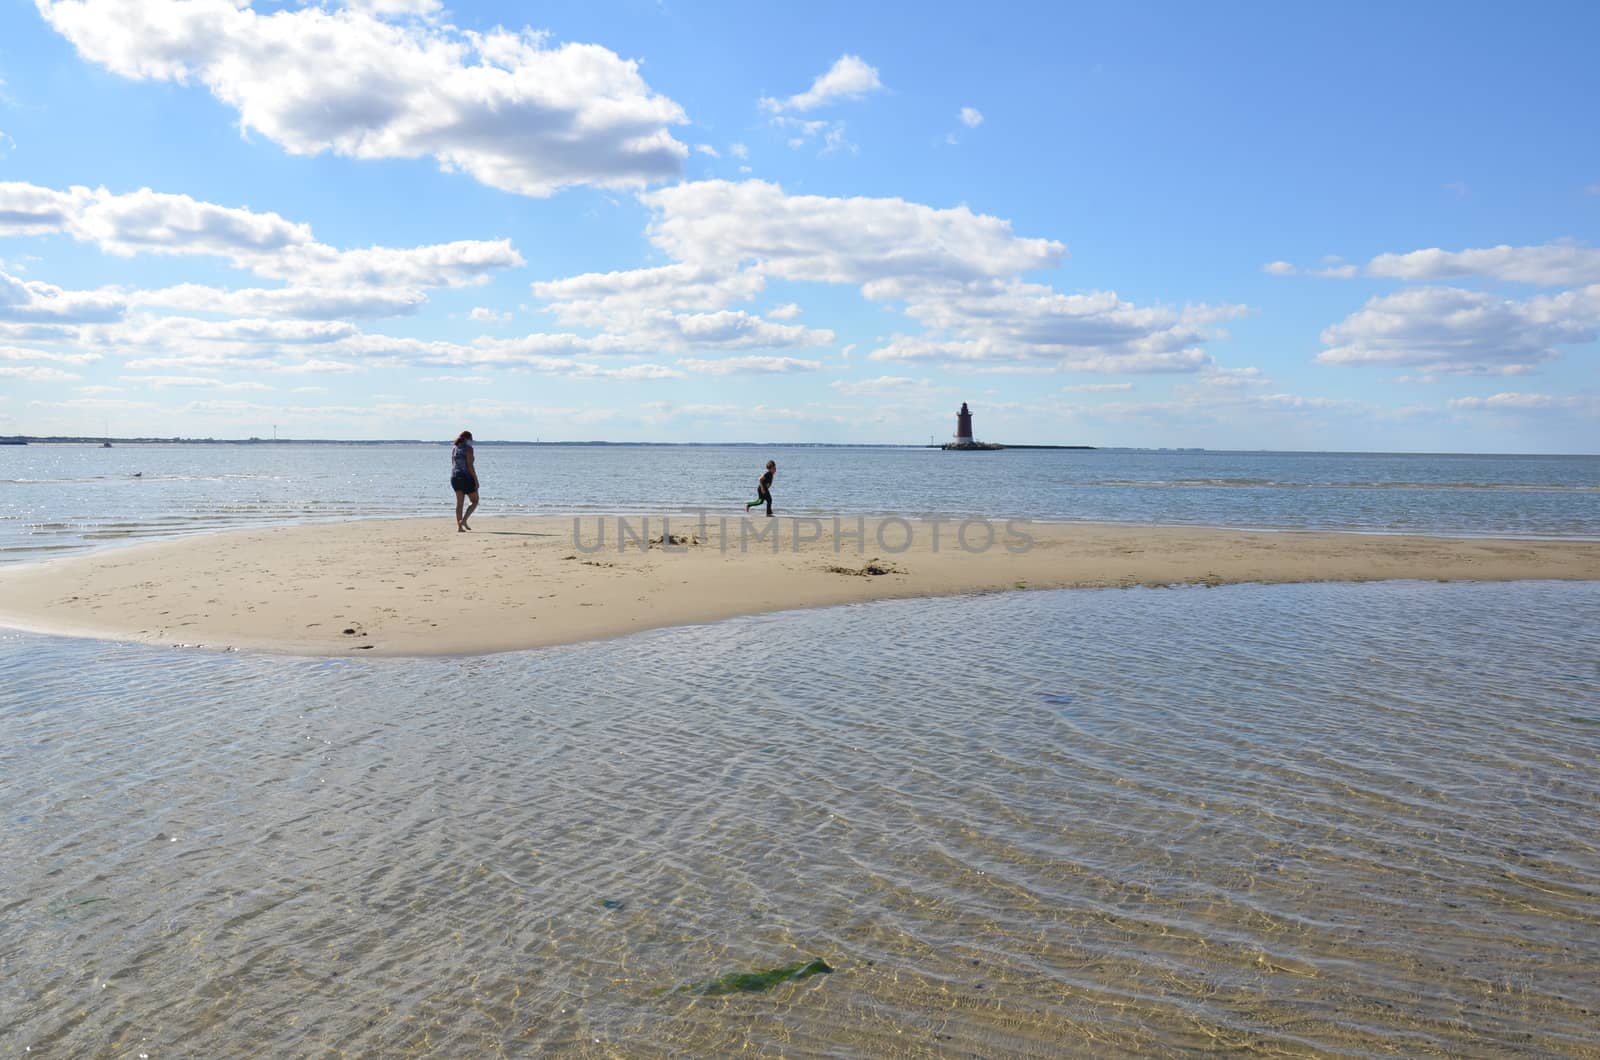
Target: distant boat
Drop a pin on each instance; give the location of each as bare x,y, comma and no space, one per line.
105,445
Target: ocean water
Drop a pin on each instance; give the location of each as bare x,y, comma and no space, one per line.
1331,819
1318,819
64,498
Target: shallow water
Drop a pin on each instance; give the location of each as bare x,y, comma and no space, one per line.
1352,819
56,498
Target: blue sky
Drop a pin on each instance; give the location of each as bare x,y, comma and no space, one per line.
1352,226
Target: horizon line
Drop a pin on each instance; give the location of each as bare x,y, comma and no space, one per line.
101,440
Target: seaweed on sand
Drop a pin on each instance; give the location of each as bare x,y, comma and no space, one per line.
750,982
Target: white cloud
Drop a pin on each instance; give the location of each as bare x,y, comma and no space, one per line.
469,380
735,329
96,404
302,303
848,78
501,106
638,371
1332,268
717,224
803,133
37,332
27,209
487,315
572,368
784,312
1586,404
971,117
883,384
1095,388
739,151
1446,329
151,222
750,365
22,353
1550,264
384,8
658,412
29,302
467,262
1233,377
707,149
984,353
598,299
178,344
185,332
36,373
953,271
1018,325
644,309
163,382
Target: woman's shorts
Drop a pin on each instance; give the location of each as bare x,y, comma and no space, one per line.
464,483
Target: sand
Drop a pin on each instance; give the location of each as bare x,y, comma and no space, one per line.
418,587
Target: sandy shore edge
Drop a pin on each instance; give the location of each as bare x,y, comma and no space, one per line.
405,587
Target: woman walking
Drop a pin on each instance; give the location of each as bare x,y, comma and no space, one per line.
463,479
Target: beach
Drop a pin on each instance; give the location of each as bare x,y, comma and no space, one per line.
1269,752
411,587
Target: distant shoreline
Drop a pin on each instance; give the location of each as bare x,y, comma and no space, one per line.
100,442
26,439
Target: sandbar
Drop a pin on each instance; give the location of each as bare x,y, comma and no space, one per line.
409,587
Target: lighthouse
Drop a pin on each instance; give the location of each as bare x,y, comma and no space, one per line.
964,426
964,440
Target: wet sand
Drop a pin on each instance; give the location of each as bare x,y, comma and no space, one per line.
417,587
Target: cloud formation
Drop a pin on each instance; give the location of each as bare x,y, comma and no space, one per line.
149,222
506,108
1545,265
715,223
1549,265
31,302
955,272
1447,329
1584,404
848,78
1332,268
751,365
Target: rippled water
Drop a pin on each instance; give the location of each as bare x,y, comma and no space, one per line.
57,498
1293,819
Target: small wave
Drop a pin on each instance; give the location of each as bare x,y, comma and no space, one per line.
59,481
1247,483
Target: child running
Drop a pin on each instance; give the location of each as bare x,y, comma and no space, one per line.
764,488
